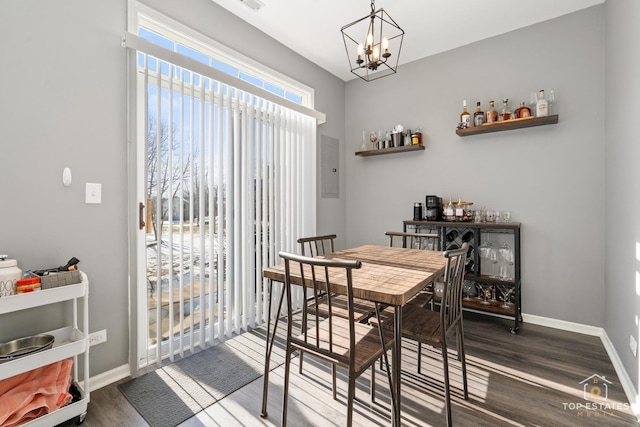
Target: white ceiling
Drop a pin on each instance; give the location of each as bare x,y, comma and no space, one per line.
312,27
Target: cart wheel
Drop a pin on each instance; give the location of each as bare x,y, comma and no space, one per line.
514,331
81,418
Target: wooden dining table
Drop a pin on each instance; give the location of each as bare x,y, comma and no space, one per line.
389,276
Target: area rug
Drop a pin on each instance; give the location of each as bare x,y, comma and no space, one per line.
176,392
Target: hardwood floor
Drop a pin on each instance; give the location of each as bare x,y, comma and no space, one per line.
535,378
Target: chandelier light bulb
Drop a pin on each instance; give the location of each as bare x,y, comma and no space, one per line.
369,41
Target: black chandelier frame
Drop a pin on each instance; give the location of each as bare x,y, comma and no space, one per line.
363,62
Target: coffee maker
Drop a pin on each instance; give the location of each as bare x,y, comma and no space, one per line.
433,208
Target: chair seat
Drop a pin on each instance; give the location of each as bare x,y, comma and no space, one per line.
422,299
362,309
367,342
418,324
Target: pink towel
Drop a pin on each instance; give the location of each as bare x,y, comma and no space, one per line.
35,393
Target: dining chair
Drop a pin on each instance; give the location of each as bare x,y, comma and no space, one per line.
421,241
344,342
414,240
362,309
433,327
323,245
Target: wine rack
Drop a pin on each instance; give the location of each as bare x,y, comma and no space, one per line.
452,234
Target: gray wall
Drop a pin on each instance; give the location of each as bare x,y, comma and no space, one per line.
550,177
622,180
63,83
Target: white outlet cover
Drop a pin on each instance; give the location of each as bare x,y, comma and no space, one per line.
93,194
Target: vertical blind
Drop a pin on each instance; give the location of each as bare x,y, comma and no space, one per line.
230,182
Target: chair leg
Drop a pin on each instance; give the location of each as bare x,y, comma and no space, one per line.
462,357
447,391
303,330
351,394
372,387
419,357
287,369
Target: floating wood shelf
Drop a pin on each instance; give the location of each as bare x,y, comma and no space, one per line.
508,125
402,148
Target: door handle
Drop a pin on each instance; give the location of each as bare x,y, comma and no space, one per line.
141,216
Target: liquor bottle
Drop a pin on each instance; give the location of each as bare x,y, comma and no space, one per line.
542,107
505,111
522,111
492,114
465,116
478,116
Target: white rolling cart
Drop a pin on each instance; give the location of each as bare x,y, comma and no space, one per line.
70,341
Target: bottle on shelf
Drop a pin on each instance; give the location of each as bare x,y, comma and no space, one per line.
522,111
465,116
542,106
492,114
416,137
478,116
505,111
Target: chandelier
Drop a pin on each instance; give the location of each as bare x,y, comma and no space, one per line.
378,56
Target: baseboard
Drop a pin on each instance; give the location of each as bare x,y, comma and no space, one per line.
104,379
625,381
627,384
562,324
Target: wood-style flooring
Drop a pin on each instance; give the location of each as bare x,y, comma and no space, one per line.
535,378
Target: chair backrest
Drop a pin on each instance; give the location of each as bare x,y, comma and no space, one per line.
317,245
315,274
451,307
413,240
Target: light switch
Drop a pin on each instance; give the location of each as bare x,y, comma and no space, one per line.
93,193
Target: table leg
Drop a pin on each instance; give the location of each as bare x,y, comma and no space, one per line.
269,347
397,354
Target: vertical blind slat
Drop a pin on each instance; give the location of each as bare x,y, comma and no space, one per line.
157,222
201,215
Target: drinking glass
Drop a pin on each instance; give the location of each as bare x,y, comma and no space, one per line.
486,292
505,256
469,290
493,258
506,291
373,138
485,250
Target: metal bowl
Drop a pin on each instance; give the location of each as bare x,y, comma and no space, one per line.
25,346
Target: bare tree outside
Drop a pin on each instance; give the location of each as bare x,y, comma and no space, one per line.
159,176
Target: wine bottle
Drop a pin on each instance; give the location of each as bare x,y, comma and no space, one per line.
542,107
505,111
492,114
478,116
465,116
522,111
